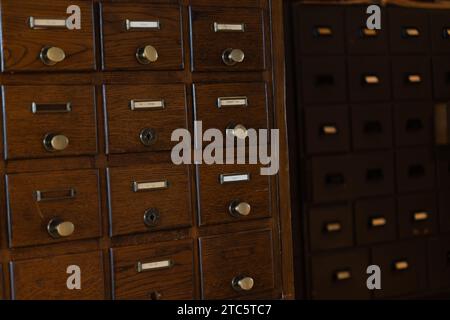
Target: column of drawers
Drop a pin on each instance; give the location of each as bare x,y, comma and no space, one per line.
365,121
90,187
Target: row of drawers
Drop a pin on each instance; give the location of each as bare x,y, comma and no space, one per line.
335,30
135,36
233,266
367,127
48,121
368,78
337,178
404,270
51,207
372,221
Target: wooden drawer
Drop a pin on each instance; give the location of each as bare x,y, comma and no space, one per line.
439,266
49,121
237,265
319,29
232,193
141,36
53,207
417,215
148,198
340,275
55,278
151,114
227,39
413,123
330,227
440,30
162,271
444,211
441,77
227,105
411,77
404,268
415,170
37,37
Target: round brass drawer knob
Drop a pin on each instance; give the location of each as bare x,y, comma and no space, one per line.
55,142
239,131
147,55
52,55
232,57
242,283
239,209
60,229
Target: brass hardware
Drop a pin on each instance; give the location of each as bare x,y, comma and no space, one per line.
378,222
421,216
371,79
366,32
333,227
414,78
232,102
52,55
343,275
323,31
401,265
243,283
51,108
147,55
329,130
149,185
54,195
239,131
151,217
55,142
142,25
230,178
446,33
151,266
223,27
58,228
36,23
411,32
147,136
137,105
239,209
232,57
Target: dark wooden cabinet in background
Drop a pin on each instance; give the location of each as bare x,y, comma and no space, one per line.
89,186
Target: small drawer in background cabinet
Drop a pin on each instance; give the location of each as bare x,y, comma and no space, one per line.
411,78
413,123
441,74
158,271
444,211
440,31
415,170
417,215
439,265
48,278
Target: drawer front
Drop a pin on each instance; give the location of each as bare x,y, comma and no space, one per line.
68,277
361,40
441,75
237,265
413,123
439,253
415,170
224,106
340,275
58,121
149,198
323,80
319,29
375,221
373,174
331,178
440,31
372,127
403,266
151,112
409,31
52,207
369,80
330,227
327,129
417,215
227,39
141,37
443,172
162,271
50,38
233,193
444,211
411,78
